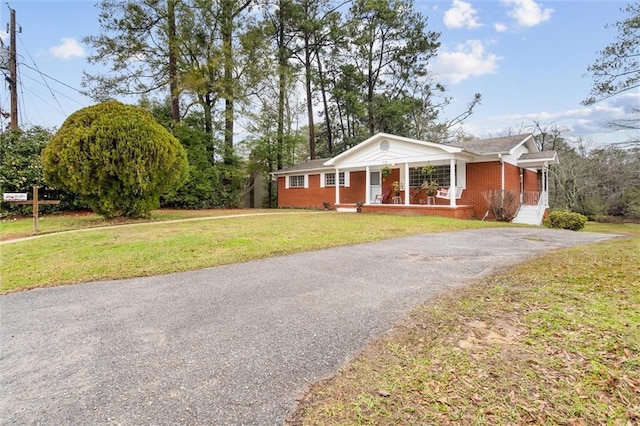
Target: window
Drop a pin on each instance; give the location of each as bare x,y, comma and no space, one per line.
296,181
375,178
441,174
330,179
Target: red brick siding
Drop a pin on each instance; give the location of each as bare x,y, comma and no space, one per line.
459,212
483,177
314,196
387,182
480,177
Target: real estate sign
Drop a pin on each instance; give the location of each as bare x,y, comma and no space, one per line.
14,196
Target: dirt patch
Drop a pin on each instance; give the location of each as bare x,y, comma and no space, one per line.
499,332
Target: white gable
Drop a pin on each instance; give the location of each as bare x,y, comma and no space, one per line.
383,149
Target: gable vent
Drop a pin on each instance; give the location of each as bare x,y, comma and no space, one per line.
384,146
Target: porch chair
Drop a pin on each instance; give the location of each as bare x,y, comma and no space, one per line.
444,192
380,198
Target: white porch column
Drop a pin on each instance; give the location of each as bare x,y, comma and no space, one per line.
452,183
545,184
337,186
406,184
367,186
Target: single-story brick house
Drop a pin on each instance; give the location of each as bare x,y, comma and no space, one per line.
388,173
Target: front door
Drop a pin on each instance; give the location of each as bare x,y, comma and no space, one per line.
374,189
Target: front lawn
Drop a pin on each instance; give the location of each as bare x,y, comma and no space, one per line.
150,248
553,341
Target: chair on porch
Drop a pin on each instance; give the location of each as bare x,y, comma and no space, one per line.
444,192
381,198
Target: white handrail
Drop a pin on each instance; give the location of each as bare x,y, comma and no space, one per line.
541,207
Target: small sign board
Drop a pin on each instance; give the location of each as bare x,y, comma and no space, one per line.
14,196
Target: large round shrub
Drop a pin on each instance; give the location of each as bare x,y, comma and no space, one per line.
117,157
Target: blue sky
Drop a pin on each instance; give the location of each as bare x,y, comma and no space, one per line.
527,58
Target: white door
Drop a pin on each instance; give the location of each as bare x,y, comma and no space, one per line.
374,188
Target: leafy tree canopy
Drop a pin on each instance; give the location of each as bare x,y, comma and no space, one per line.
20,150
117,157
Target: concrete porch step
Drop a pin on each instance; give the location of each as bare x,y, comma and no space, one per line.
527,215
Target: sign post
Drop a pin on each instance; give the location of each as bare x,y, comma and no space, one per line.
21,198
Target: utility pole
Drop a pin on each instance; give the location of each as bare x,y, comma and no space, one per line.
13,71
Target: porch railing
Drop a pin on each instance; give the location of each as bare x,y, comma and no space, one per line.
531,198
541,206
537,199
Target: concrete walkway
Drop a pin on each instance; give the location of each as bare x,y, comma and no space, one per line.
233,345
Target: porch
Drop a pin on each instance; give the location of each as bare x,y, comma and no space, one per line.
454,212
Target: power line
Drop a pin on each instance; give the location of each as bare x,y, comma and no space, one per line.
57,91
41,75
52,78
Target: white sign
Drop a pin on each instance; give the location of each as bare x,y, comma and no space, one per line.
14,196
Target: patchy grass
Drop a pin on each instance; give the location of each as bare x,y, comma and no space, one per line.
12,228
552,341
144,248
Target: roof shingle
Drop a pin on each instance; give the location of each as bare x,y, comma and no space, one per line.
307,165
501,145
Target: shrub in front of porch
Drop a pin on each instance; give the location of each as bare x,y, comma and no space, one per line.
503,204
563,219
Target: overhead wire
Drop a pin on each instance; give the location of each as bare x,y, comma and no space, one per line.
41,75
53,78
4,107
57,91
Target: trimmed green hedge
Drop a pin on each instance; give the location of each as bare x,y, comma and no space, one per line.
566,220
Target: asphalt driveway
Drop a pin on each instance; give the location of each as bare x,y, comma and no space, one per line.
232,345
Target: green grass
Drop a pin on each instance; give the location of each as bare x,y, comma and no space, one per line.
11,228
143,249
553,341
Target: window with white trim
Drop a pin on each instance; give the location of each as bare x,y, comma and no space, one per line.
330,179
296,181
441,174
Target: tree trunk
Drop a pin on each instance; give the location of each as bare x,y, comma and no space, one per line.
282,63
327,119
307,72
173,68
227,51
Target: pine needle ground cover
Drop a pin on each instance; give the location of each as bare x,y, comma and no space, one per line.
553,341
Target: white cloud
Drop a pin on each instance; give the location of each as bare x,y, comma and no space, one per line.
587,122
461,15
527,13
467,60
597,114
69,48
500,27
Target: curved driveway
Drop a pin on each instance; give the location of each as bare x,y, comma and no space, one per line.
232,345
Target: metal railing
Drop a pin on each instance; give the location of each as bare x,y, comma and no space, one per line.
531,198
541,206
537,199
